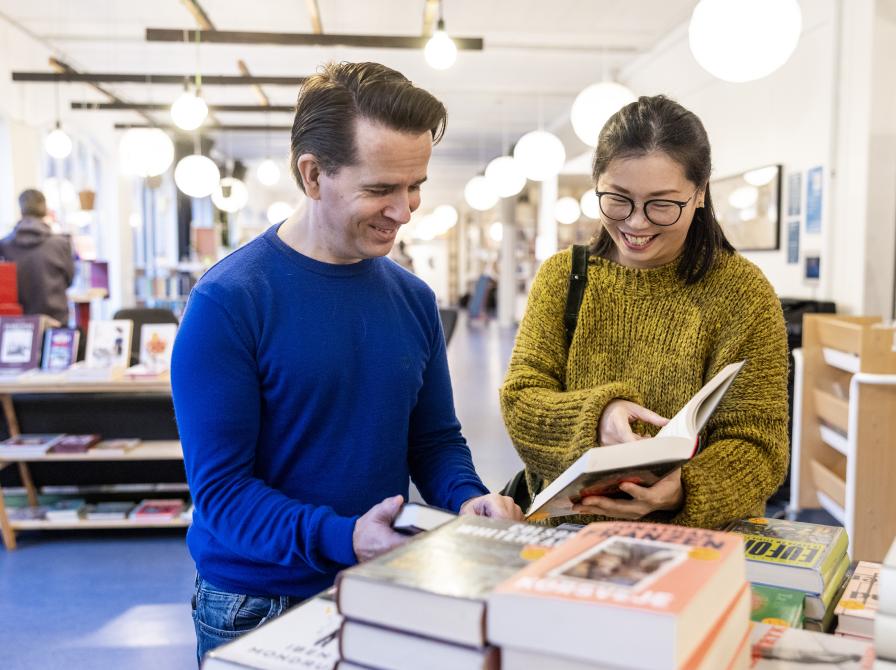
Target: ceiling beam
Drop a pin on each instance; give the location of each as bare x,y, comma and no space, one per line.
71,76
263,99
160,107
304,39
66,69
314,16
205,129
198,13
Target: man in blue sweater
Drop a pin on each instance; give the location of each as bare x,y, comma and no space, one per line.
310,377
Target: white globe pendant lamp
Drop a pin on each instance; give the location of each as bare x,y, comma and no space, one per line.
540,155
446,215
196,175
744,40
231,195
566,210
505,176
189,111
440,51
594,105
267,172
145,152
279,211
479,194
57,143
590,205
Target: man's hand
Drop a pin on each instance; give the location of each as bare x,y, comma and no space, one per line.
373,534
494,505
615,423
666,494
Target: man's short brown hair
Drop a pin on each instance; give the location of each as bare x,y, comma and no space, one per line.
32,203
332,100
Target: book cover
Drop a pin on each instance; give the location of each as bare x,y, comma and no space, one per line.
20,342
305,636
74,444
156,342
436,584
791,554
28,445
818,605
108,343
778,607
615,583
108,511
600,471
117,446
65,510
859,604
415,518
780,648
60,349
163,508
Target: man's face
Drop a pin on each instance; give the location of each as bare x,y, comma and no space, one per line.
362,206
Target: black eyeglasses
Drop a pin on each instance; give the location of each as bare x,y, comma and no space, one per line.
659,212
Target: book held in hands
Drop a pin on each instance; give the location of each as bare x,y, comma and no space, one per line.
415,518
600,471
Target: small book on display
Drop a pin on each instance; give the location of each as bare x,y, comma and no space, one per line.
20,342
60,349
600,471
75,444
109,343
28,445
416,518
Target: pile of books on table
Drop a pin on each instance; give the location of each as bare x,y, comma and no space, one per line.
32,445
790,560
885,619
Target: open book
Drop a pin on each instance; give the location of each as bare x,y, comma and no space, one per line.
600,471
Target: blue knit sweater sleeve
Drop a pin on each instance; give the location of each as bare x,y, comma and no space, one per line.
217,400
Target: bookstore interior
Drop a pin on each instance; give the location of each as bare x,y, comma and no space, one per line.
632,425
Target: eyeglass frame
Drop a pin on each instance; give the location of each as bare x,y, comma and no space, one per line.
681,205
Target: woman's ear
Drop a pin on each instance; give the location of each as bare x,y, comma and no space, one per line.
309,172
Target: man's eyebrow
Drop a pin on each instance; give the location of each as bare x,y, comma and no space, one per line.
622,190
391,185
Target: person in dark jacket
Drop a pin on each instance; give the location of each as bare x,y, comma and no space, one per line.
44,265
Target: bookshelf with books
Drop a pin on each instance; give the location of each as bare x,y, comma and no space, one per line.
844,395
108,390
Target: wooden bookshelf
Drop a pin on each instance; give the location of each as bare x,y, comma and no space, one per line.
150,450
844,425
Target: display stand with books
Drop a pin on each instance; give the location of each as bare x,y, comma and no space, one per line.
150,450
843,427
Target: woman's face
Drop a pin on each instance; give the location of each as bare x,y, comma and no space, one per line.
639,243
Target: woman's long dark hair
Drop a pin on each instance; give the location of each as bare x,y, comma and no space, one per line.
659,124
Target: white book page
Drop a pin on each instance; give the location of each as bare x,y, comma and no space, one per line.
691,418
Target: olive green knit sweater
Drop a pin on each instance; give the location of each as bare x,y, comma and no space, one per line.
645,336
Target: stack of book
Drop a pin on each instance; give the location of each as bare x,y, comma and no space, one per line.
67,509
858,605
423,604
885,621
627,595
161,509
782,648
806,557
28,445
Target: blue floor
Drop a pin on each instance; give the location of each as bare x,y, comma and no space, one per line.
120,599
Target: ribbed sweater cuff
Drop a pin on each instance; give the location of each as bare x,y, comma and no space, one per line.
464,493
336,539
586,430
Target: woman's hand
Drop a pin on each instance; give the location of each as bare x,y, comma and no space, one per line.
615,424
666,494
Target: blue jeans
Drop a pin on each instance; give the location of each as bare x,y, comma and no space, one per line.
220,616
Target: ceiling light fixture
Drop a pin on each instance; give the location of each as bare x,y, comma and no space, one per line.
479,194
540,155
57,143
440,51
566,210
267,172
145,152
594,105
231,195
197,175
505,176
744,40
279,211
189,110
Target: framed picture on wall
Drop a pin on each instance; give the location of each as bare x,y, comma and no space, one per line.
748,206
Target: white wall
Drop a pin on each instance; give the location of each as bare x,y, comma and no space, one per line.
814,111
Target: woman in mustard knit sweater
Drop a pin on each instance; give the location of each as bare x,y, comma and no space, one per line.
668,303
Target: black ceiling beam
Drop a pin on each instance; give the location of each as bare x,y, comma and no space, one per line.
159,107
136,78
207,128
303,39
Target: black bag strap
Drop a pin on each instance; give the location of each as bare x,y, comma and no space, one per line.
578,279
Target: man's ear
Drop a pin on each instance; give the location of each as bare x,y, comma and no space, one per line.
309,173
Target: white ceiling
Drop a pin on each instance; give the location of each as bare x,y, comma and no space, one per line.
538,55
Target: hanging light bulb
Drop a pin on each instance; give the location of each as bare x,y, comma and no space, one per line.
196,175
496,231
440,51
505,176
590,205
566,210
744,40
279,211
57,143
540,155
594,105
267,172
189,111
145,152
446,215
479,194
231,195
